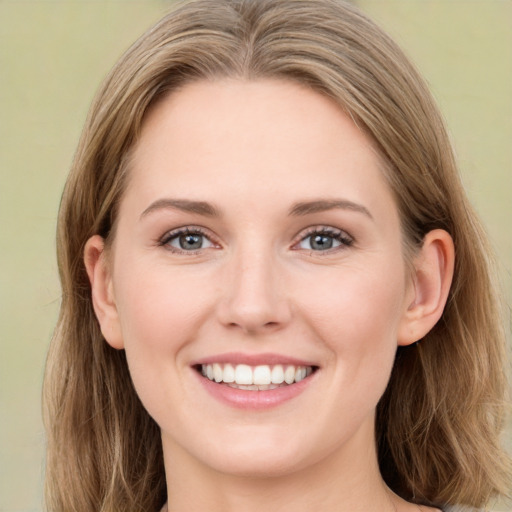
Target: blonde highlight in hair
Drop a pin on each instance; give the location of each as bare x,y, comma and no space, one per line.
440,419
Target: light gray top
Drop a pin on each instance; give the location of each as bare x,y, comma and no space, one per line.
462,508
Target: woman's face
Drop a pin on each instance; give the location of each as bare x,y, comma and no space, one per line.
257,241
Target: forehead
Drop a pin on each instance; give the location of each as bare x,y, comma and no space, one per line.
254,139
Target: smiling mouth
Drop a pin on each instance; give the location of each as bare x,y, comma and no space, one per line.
255,378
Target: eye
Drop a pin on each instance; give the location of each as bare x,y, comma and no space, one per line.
186,240
324,239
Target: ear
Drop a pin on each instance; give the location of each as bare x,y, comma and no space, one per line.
433,273
103,299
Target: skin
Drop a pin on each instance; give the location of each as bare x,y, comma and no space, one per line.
253,150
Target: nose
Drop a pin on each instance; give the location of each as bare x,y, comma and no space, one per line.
253,297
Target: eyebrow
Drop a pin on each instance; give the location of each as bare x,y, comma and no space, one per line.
322,205
185,205
298,209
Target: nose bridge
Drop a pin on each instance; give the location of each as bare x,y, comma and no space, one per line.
254,295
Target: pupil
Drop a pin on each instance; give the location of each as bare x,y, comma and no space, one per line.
191,241
321,242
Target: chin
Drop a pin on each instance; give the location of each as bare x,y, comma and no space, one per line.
265,455
260,465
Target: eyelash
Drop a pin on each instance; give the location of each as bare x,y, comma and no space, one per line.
344,239
189,230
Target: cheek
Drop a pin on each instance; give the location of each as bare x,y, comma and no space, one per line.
159,312
357,317
156,304
159,315
356,302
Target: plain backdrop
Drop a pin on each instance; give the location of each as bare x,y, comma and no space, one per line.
53,55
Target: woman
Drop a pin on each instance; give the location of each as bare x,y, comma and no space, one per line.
275,293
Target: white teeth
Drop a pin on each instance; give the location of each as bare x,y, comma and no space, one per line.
300,373
217,372
229,373
243,374
261,377
289,375
253,387
277,375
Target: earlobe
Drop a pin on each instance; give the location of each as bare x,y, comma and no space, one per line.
433,273
102,292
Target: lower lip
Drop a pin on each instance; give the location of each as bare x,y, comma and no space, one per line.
255,400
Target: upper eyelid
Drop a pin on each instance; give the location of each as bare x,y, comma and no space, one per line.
172,233
331,230
304,233
344,237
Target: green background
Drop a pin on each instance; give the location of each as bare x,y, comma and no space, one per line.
53,55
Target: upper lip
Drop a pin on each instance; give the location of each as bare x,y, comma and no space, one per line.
270,359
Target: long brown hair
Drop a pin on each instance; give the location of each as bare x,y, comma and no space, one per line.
439,421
